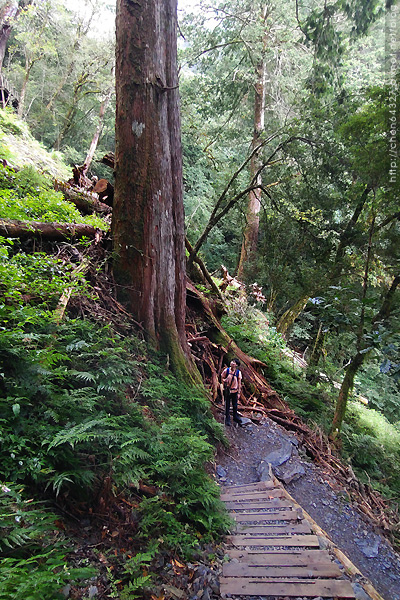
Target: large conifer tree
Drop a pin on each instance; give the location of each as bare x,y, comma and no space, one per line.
148,215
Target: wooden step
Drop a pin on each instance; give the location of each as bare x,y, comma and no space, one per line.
282,540
289,558
234,569
324,588
256,495
276,515
258,485
275,552
273,529
259,504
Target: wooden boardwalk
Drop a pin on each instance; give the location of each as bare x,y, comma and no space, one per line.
274,550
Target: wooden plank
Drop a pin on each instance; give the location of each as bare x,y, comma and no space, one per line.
276,515
289,558
233,569
261,494
275,493
266,504
273,528
288,540
258,485
324,588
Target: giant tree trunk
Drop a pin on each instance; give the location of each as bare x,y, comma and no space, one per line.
250,236
148,217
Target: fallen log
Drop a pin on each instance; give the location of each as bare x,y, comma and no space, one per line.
51,231
83,199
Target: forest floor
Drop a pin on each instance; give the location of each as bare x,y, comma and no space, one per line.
319,495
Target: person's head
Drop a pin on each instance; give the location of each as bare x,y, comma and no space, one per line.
235,363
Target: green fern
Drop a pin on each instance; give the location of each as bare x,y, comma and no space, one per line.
131,591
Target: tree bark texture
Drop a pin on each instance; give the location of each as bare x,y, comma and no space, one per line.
148,216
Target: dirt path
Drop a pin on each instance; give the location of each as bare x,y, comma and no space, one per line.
319,495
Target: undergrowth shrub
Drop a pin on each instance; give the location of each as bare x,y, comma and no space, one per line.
189,508
57,392
166,394
72,417
28,195
372,444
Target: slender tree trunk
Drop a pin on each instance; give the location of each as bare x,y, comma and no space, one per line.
250,236
289,316
317,348
97,133
67,125
345,238
148,217
21,103
357,361
345,389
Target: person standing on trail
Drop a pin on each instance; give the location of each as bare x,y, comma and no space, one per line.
232,381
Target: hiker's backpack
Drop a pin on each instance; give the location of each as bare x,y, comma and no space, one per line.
235,374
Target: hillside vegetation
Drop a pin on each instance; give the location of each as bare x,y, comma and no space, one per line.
103,452
93,427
